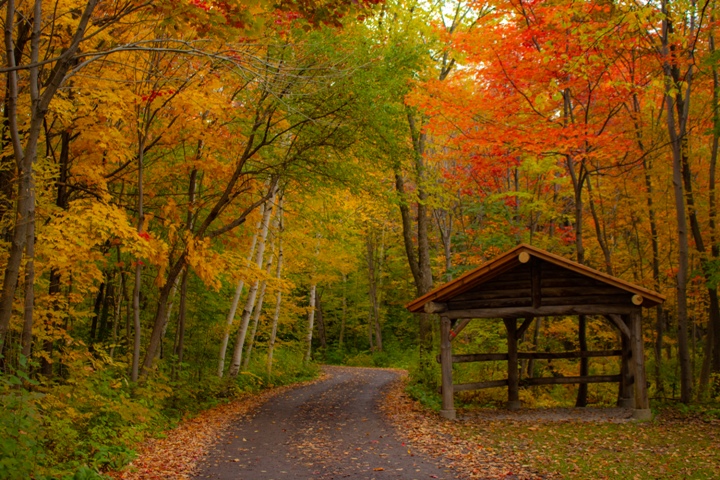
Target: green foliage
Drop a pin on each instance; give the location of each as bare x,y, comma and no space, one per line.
20,428
92,422
429,398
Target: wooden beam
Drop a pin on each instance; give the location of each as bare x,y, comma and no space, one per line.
489,357
570,380
523,257
480,385
638,362
448,405
538,381
513,374
535,283
525,325
433,307
626,397
545,311
619,323
459,328
479,357
563,355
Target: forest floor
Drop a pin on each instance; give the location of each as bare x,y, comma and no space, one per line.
359,423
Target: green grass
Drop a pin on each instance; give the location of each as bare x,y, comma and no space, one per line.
674,445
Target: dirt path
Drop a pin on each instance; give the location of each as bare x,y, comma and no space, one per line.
332,429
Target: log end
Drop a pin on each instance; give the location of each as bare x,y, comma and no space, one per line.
434,307
524,257
637,299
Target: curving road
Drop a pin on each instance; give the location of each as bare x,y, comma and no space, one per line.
328,430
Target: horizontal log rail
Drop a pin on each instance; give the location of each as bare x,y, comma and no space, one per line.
488,357
527,382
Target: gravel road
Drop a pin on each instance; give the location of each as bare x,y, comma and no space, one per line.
331,429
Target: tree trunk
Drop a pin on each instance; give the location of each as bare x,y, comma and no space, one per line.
677,133
29,277
311,321
182,314
259,303
419,261
320,321
252,293
42,92
236,298
138,265
278,294
343,318
371,251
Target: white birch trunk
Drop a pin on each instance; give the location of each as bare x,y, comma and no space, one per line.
252,293
311,321
259,304
344,313
236,301
278,295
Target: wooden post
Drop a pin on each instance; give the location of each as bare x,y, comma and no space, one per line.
448,405
512,365
642,403
626,398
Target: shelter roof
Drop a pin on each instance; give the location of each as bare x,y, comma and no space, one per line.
514,260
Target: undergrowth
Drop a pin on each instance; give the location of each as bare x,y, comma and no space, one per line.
94,418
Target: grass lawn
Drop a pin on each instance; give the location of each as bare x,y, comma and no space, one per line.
673,445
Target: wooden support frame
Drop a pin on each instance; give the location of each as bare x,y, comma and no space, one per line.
513,375
448,404
626,394
525,325
459,328
528,283
539,381
535,280
544,311
489,357
642,402
618,321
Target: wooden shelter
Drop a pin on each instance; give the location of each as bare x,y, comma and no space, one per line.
527,283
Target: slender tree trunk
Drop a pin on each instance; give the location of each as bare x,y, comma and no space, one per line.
419,261
320,321
108,301
160,353
259,303
182,314
677,133
343,318
536,338
138,265
311,322
599,230
118,313
278,294
236,298
252,293
373,290
29,277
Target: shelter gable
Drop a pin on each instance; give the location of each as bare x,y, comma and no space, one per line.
557,286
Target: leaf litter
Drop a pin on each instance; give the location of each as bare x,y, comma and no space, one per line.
176,455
